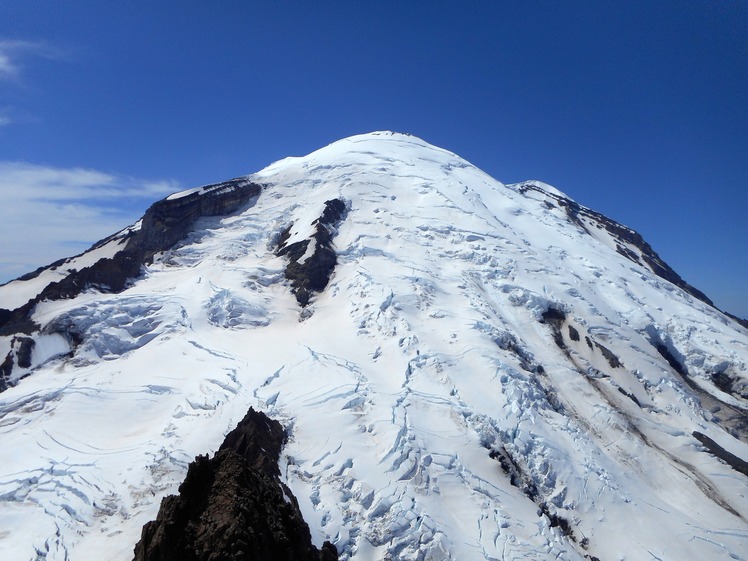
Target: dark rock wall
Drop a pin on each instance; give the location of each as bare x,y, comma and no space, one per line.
168,221
736,463
233,507
314,273
19,354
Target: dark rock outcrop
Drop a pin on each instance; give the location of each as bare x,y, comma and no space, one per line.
19,355
314,273
736,463
612,359
23,347
169,220
233,507
6,367
18,320
555,318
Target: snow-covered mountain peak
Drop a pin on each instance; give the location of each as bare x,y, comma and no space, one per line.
373,152
465,369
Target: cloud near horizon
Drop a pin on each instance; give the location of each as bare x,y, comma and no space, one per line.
49,212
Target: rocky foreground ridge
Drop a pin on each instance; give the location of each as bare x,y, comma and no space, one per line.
233,506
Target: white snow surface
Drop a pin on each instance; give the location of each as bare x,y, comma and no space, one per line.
423,355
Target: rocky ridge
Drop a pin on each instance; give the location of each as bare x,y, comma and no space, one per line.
628,242
163,225
233,506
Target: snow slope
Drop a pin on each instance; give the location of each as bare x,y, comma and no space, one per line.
483,378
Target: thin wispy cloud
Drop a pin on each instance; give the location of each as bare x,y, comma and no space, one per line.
50,212
16,59
14,54
7,68
65,184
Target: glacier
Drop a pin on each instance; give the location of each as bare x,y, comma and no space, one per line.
488,371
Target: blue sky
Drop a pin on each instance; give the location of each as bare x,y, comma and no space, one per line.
637,109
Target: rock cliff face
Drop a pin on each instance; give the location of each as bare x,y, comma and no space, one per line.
313,273
168,221
20,354
164,224
233,507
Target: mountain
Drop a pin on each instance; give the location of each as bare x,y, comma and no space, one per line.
462,369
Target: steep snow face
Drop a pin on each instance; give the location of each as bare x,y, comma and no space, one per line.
483,378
